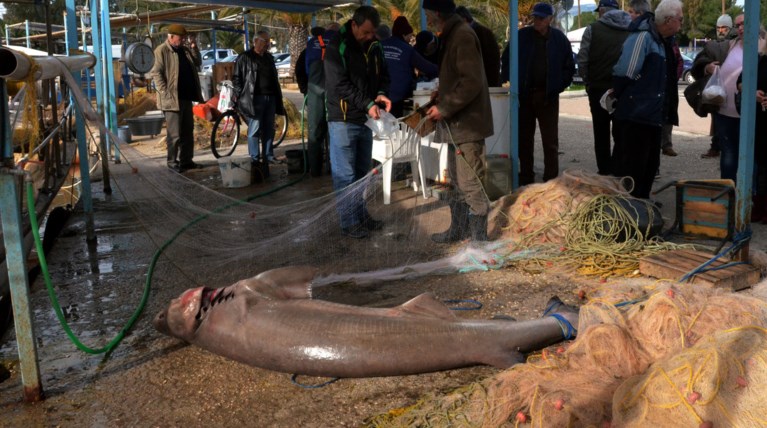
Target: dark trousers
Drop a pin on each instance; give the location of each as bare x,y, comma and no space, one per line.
179,137
601,120
637,155
532,108
318,132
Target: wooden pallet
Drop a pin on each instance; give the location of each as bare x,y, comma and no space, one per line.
675,264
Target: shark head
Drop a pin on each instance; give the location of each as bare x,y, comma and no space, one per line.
185,313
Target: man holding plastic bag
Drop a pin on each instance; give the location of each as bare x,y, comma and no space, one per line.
722,62
356,84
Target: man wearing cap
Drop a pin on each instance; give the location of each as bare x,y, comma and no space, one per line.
401,59
546,68
463,105
642,82
601,46
178,85
491,54
356,85
727,54
259,97
723,32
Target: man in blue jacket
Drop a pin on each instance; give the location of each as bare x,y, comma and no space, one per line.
546,68
356,84
641,78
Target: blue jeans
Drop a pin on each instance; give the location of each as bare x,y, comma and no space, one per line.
351,151
728,133
261,127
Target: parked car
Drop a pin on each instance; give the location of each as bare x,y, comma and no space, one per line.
687,71
220,54
208,69
279,56
283,66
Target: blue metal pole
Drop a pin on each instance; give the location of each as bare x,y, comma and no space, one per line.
26,24
213,38
514,92
110,100
747,115
15,259
82,142
424,25
247,33
314,19
7,36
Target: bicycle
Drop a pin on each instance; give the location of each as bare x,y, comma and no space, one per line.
226,129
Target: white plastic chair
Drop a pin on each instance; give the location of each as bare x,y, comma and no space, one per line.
403,145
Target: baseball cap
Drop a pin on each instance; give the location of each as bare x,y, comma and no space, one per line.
609,3
176,29
542,10
445,6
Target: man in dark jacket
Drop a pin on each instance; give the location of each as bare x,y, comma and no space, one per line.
546,68
641,81
491,54
356,84
315,97
259,96
601,46
178,85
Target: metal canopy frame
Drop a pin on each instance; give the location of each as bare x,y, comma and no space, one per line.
292,6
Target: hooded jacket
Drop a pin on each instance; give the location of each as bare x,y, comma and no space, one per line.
464,99
639,77
354,76
165,75
601,46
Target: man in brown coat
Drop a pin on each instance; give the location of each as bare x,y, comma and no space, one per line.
463,103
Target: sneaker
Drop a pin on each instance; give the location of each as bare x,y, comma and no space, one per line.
358,231
669,151
711,153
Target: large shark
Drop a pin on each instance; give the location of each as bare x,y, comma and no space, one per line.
270,321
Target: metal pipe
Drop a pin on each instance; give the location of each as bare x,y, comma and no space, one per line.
16,66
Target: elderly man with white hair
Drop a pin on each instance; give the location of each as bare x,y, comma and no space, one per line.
641,81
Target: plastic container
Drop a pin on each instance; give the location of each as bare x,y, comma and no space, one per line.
235,171
123,132
498,181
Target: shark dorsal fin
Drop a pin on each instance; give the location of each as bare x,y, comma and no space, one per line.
426,304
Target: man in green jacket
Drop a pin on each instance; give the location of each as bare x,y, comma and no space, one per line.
463,104
178,85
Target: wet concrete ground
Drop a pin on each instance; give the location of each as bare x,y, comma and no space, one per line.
152,380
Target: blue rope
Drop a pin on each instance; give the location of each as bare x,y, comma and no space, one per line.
567,329
740,239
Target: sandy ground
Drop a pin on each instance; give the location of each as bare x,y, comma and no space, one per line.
154,380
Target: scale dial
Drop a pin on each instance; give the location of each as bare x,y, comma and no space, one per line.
139,58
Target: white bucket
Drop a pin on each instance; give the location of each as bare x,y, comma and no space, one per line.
235,172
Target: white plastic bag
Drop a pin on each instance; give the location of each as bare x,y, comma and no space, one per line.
384,126
714,92
608,101
225,96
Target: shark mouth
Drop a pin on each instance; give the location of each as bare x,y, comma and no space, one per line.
210,297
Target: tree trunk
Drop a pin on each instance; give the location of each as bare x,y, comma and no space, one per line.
298,35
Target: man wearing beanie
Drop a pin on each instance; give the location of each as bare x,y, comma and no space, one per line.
356,85
491,54
178,85
401,59
723,32
463,107
601,46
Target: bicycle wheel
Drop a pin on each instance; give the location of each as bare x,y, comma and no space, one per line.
226,133
280,128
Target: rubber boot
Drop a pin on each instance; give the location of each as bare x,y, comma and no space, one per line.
478,226
459,224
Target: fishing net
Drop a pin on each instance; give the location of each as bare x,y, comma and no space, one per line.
678,356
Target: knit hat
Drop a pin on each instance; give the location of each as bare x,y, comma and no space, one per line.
176,29
383,32
724,21
401,27
447,6
609,3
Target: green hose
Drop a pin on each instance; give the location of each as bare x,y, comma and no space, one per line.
147,286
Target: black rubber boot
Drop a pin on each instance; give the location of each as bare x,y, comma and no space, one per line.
478,226
459,225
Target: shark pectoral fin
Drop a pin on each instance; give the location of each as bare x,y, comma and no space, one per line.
505,360
426,304
292,282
